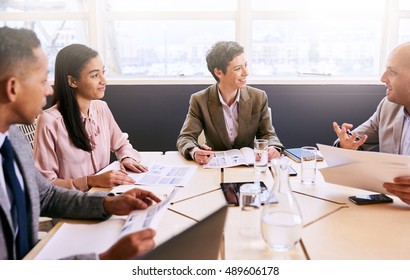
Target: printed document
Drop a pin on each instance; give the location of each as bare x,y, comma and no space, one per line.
74,239
234,157
159,174
362,169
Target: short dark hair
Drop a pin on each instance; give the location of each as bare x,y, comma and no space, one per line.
221,54
16,49
70,61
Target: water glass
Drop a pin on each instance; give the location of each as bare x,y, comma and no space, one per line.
261,155
308,165
250,205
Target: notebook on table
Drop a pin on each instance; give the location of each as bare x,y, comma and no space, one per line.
199,242
295,154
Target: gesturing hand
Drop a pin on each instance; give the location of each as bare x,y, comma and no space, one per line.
347,139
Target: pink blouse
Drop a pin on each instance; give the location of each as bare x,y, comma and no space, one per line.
58,159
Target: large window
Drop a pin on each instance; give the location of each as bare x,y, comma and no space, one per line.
159,40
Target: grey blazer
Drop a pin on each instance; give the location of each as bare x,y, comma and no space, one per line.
43,199
206,113
383,128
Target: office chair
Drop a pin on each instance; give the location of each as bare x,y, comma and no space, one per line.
29,131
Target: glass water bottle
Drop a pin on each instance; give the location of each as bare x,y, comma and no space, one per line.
281,220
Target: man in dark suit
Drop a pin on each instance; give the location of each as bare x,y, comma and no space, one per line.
24,193
230,113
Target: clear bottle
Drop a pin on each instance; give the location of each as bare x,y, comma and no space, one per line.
281,220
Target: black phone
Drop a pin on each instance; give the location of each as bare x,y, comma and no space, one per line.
370,199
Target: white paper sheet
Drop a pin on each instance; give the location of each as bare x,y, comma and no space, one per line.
362,169
159,174
75,239
161,192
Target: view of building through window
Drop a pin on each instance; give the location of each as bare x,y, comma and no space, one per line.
169,39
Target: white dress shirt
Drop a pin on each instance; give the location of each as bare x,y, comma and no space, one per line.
231,116
405,136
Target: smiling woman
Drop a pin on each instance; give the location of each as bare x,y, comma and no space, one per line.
74,138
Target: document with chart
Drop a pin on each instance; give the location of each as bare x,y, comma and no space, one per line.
75,239
362,169
159,174
234,157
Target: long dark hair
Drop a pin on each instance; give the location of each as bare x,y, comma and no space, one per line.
70,61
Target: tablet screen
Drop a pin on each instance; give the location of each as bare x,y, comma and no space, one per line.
231,191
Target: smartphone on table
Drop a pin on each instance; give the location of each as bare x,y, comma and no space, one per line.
370,199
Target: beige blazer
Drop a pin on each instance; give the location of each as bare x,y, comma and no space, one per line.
206,113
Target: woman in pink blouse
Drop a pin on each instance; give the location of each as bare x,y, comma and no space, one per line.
74,138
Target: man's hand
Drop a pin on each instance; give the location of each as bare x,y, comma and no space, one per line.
347,139
133,199
130,246
400,188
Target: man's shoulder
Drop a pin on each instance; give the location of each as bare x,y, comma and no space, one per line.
386,105
15,132
18,140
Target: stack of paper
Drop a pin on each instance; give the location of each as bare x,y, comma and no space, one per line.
362,169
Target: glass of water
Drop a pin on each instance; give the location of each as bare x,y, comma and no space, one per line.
261,155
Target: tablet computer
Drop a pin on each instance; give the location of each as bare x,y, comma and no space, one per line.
231,191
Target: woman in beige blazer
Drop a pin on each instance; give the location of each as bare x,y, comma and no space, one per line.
230,113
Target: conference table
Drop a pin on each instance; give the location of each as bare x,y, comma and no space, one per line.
333,227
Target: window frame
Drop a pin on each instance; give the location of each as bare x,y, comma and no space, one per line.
96,18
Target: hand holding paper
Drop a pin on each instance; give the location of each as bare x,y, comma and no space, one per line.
362,169
131,200
400,188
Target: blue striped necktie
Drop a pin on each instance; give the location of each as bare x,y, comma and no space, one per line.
19,199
